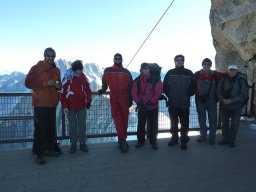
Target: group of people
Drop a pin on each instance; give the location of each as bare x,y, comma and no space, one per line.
146,90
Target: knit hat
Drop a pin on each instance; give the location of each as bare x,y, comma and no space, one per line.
77,65
143,65
49,49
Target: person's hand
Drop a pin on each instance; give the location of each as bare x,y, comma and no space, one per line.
65,110
148,103
88,106
100,91
227,101
57,85
51,83
163,97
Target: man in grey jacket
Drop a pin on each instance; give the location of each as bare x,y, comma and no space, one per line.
179,87
233,93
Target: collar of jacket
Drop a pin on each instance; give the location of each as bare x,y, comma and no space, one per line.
115,67
180,67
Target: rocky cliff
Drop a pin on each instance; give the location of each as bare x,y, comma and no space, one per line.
233,26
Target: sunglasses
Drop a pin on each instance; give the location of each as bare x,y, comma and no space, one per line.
118,59
50,55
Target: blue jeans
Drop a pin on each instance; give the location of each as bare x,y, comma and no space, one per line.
229,132
210,109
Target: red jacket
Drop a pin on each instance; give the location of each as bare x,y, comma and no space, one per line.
37,80
119,81
76,93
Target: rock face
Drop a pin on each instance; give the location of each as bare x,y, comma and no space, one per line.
233,26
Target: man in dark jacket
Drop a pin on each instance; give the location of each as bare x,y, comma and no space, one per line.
179,87
233,93
119,80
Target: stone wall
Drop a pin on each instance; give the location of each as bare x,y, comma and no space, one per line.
233,26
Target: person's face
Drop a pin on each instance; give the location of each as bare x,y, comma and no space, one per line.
50,57
146,71
232,72
118,60
207,66
179,62
78,72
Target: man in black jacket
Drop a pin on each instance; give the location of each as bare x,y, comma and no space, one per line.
179,87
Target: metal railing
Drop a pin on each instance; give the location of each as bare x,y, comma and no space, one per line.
16,118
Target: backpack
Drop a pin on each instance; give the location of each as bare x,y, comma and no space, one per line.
240,86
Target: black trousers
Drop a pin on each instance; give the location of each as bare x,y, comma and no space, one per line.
45,128
181,114
151,117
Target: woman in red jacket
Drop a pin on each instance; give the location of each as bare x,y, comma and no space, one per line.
146,91
76,97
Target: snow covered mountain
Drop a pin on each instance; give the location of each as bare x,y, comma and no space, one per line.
14,82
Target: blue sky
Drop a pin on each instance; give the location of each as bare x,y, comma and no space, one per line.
94,30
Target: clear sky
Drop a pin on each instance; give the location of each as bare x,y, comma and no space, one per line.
94,30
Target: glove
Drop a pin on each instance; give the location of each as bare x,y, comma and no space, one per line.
65,111
163,97
88,106
141,105
148,103
100,91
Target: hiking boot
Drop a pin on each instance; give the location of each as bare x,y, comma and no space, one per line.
174,141
231,144
155,146
72,148
223,142
84,147
39,159
139,145
201,139
183,146
57,149
123,146
51,153
211,142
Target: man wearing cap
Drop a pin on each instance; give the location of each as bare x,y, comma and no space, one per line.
119,80
233,93
44,80
206,100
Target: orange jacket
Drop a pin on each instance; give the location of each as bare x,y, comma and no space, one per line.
37,79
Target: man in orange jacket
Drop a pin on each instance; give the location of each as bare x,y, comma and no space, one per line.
44,80
119,80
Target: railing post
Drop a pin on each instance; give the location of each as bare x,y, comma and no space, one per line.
252,100
63,123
